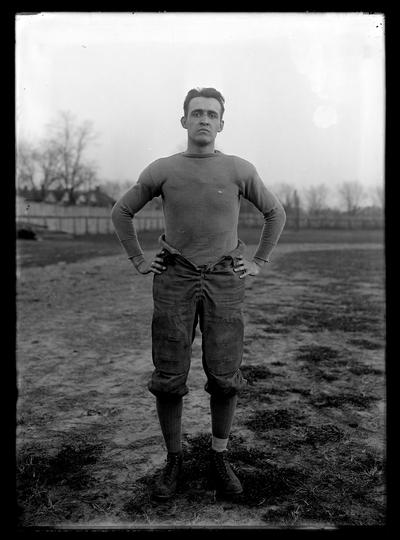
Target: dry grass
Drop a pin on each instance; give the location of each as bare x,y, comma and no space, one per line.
308,438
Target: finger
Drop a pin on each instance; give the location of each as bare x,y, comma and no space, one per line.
157,266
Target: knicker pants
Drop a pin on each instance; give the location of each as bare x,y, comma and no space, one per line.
186,295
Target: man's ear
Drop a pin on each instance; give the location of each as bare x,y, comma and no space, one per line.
183,122
221,125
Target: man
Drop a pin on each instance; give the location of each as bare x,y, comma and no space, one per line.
199,277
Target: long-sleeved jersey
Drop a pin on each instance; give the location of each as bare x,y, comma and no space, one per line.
201,201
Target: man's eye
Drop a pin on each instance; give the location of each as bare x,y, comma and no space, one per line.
213,115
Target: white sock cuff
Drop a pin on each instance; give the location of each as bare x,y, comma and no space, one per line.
219,445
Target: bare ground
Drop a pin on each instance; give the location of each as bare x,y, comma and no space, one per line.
308,440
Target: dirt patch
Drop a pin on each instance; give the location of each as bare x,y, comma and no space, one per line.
366,344
316,353
41,473
358,400
263,482
255,373
308,436
263,421
69,249
361,319
360,267
323,434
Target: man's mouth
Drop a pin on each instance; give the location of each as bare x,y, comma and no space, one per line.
204,129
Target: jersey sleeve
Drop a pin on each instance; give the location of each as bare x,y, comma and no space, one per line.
146,188
252,188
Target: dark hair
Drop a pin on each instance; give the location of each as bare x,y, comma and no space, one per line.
203,92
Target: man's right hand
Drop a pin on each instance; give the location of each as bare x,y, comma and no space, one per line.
156,266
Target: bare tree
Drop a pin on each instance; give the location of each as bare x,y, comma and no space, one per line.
115,189
316,197
88,177
351,194
111,188
25,165
49,165
70,140
286,194
377,195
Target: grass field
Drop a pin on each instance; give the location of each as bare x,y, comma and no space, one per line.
83,247
308,440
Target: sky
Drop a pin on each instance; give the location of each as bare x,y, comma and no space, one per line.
304,92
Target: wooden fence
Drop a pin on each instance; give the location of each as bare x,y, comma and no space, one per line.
100,224
77,225
294,222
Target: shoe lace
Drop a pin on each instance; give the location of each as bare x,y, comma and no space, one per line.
222,466
170,468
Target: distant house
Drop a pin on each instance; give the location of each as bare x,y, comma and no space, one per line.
93,197
51,198
30,194
64,198
371,211
81,199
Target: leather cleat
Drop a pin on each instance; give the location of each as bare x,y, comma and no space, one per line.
221,476
167,482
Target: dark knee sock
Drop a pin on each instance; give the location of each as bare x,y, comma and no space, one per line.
170,418
222,414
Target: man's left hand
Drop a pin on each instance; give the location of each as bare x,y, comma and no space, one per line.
249,268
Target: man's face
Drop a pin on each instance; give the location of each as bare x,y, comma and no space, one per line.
203,120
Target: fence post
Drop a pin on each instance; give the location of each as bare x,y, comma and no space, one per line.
296,202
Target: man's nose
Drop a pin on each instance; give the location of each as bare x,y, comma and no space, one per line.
204,119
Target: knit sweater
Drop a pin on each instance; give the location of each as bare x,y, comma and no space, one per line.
201,201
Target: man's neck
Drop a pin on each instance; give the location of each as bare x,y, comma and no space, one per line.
196,149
